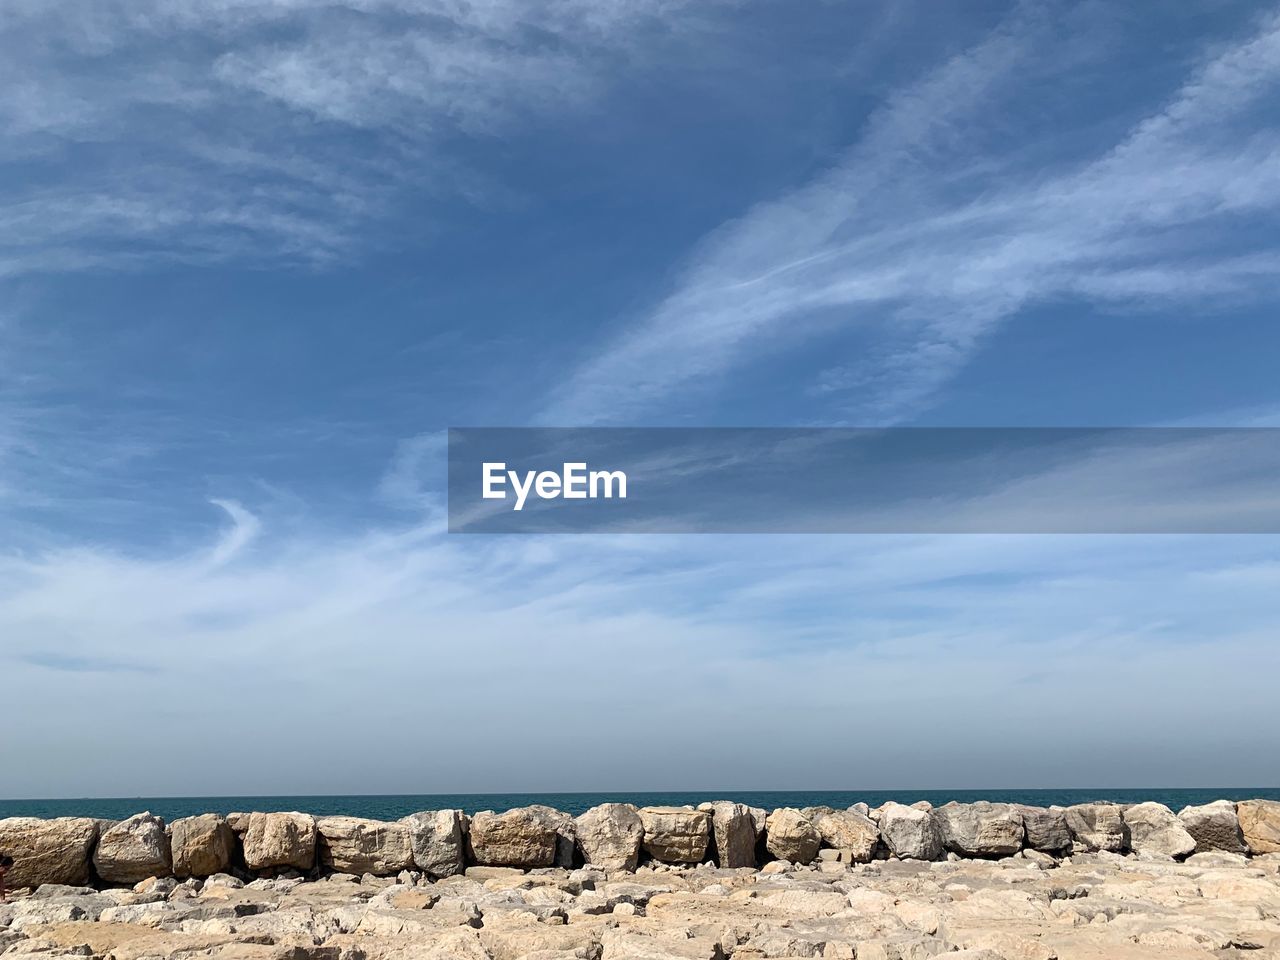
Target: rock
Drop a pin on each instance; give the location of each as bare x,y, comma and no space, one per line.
1154,830
48,851
523,837
734,827
1046,829
359,846
849,831
133,850
566,835
980,829
201,845
274,840
791,836
909,832
676,834
437,838
610,836
1214,826
1260,825
1097,827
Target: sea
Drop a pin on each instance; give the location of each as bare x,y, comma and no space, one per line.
394,806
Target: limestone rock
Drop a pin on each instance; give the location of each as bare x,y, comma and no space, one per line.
517,838
359,846
676,834
1046,828
1260,824
280,840
909,832
1214,826
201,845
48,851
850,831
438,842
133,850
981,829
1153,829
1097,827
734,828
791,836
566,834
610,836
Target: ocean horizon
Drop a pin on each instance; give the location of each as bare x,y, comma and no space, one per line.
394,806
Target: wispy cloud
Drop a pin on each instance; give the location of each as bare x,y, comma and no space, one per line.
927,244
271,130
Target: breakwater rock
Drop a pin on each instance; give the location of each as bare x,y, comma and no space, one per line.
615,836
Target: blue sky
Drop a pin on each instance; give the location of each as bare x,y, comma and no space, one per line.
256,255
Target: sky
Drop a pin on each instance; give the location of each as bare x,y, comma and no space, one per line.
256,256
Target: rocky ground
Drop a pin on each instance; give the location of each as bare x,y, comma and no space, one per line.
1029,906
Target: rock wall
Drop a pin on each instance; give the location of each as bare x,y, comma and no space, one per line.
616,836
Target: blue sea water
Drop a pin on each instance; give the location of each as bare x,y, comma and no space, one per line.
392,807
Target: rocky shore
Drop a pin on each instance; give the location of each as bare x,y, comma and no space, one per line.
988,880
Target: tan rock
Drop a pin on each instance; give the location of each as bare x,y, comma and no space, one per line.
910,832
1260,825
981,829
734,828
849,831
610,836
201,846
48,851
1097,826
1214,826
1154,829
790,836
359,846
274,840
438,841
133,850
517,838
676,834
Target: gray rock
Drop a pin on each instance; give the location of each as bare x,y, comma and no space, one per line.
676,834
48,851
1155,830
438,841
981,829
1046,828
910,833
274,840
1214,826
133,850
201,845
610,836
1097,827
791,836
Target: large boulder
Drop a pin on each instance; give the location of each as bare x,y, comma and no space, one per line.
566,834
523,837
280,840
676,834
1260,824
359,846
791,836
850,831
438,840
981,829
610,836
1214,826
909,832
1154,830
1046,828
133,850
1097,826
202,846
733,826
48,851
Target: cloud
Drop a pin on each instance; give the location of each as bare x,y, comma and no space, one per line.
927,239
274,130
